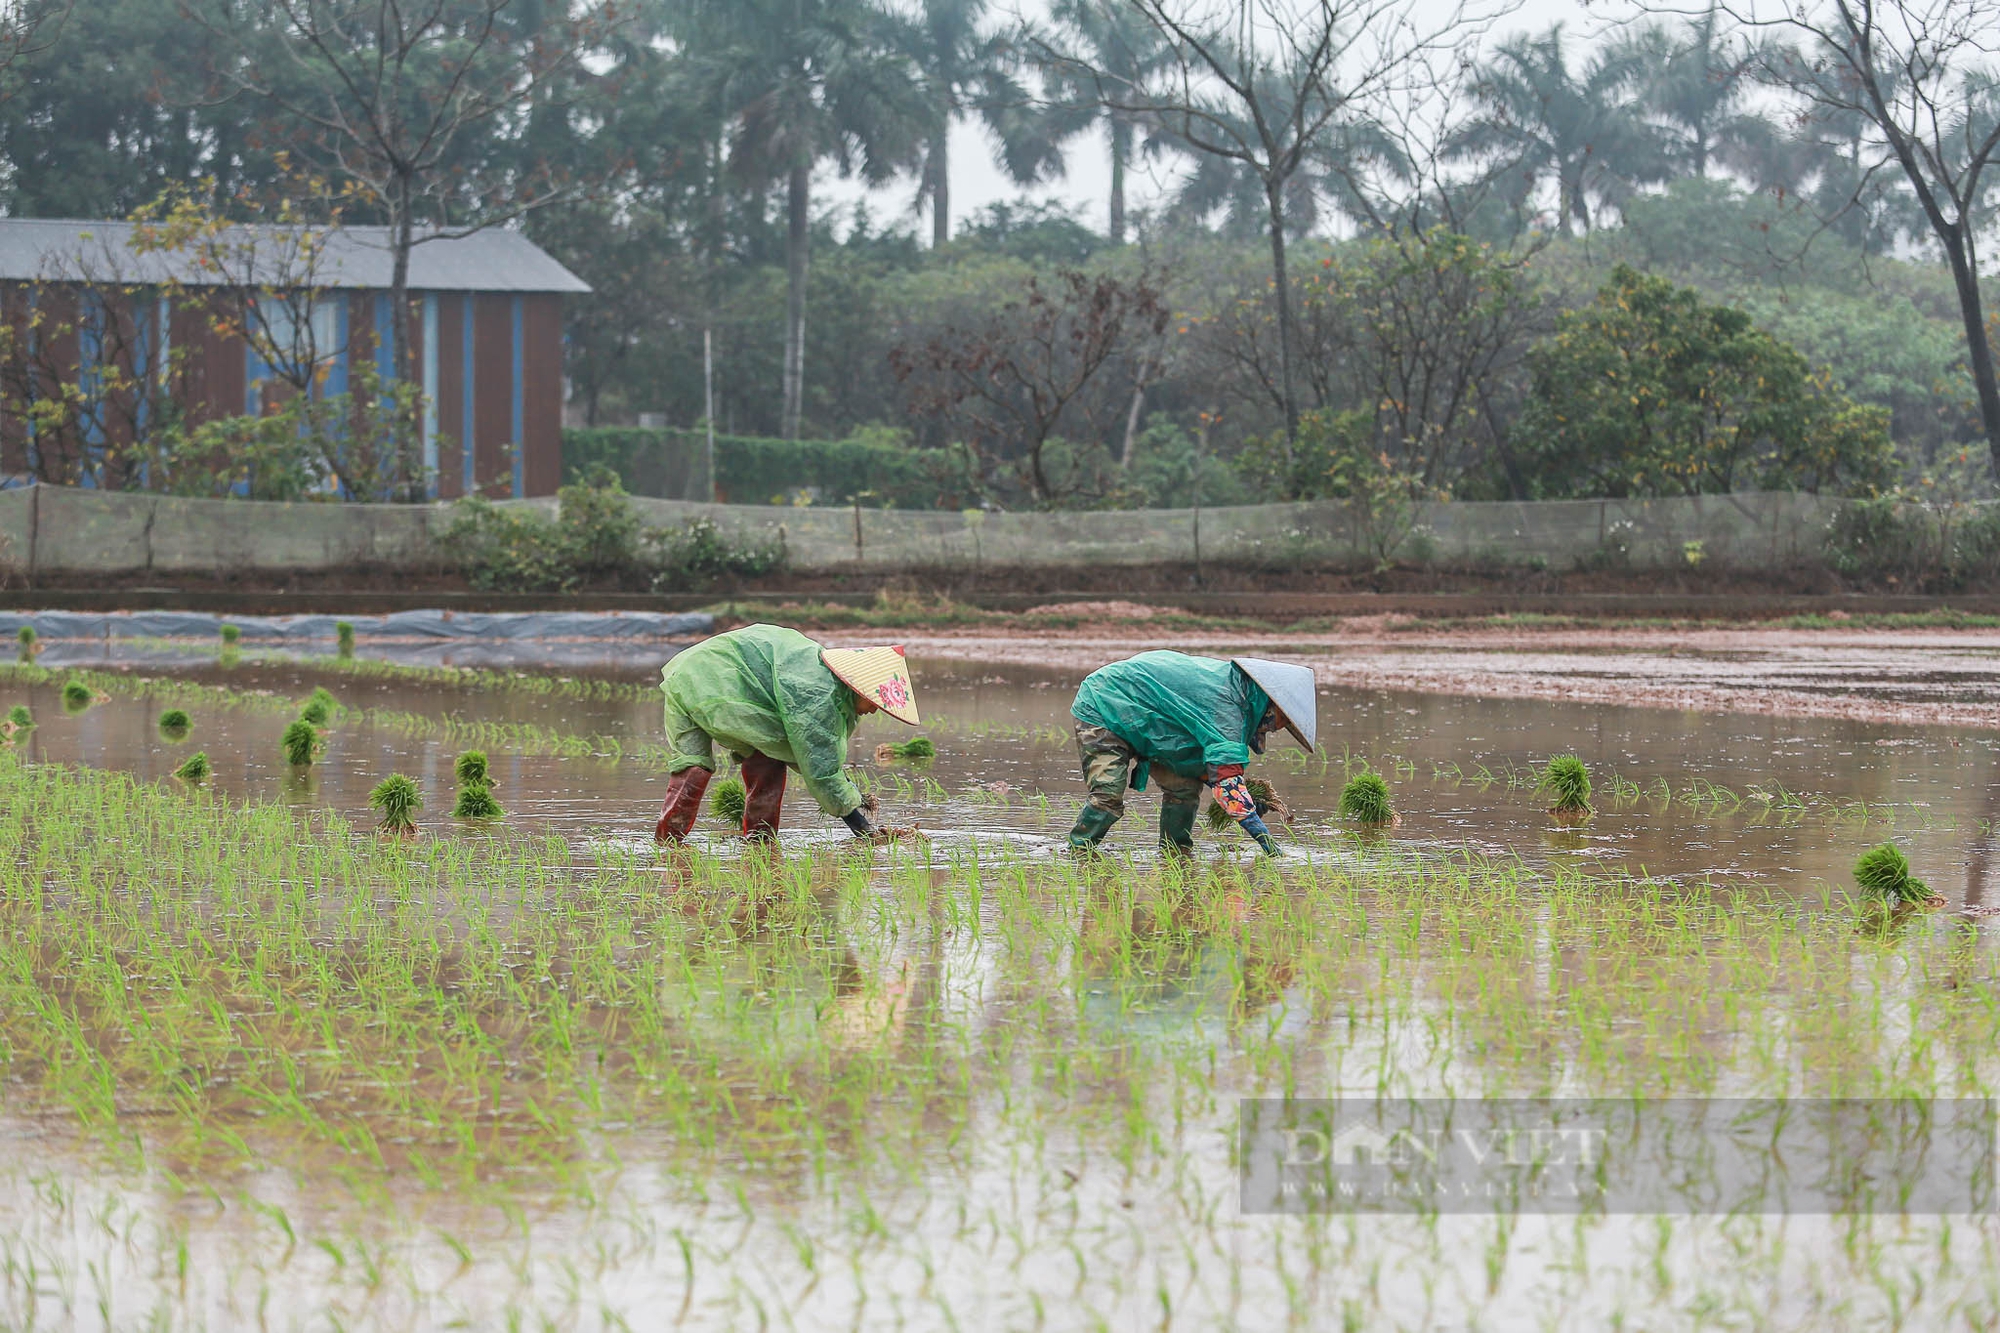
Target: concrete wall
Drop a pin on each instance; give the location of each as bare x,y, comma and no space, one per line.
75,531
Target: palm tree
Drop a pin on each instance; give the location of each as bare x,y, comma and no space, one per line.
962,69
1538,120
801,82
1333,177
1118,41
1694,85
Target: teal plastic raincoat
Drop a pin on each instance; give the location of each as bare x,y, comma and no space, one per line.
1187,714
763,689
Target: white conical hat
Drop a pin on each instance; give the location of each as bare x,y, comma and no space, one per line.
879,675
1291,688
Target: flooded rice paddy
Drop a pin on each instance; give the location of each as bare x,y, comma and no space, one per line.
265,1069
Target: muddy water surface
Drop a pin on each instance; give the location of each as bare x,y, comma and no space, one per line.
1680,793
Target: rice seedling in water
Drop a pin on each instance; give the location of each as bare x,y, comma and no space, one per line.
26,636
318,707
20,716
497,1020
475,801
343,638
77,696
194,768
175,723
919,749
231,635
1884,873
470,767
1567,780
475,788
300,743
1365,799
727,800
396,799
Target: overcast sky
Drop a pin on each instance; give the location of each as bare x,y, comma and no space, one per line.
976,182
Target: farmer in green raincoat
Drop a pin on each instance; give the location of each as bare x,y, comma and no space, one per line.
775,700
1185,723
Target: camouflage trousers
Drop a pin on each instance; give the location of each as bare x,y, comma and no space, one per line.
1107,770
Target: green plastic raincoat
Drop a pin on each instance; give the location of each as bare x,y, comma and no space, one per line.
1188,714
763,689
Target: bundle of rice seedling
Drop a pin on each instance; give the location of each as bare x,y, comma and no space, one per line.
1568,781
1884,872
174,724
397,798
475,788
194,768
300,743
727,799
920,749
475,801
1365,800
230,635
318,707
1263,794
343,638
26,635
1267,799
20,716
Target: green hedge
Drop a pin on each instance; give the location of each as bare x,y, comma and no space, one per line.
750,470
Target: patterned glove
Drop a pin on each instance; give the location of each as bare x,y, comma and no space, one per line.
1233,795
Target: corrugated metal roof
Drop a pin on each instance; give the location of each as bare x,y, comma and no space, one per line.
494,260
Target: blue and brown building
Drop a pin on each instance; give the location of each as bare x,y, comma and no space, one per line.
107,332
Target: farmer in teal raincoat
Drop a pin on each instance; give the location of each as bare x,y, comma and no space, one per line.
1185,723
775,700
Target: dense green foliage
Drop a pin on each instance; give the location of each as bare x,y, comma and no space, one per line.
1477,341
175,723
1939,546
596,536
1650,390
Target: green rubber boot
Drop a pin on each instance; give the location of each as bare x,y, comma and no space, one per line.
1091,826
1177,827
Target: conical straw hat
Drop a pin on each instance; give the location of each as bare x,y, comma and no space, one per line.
1290,687
879,675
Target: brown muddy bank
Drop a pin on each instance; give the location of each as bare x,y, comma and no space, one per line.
1908,677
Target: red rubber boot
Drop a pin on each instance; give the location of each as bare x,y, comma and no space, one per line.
763,796
683,803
